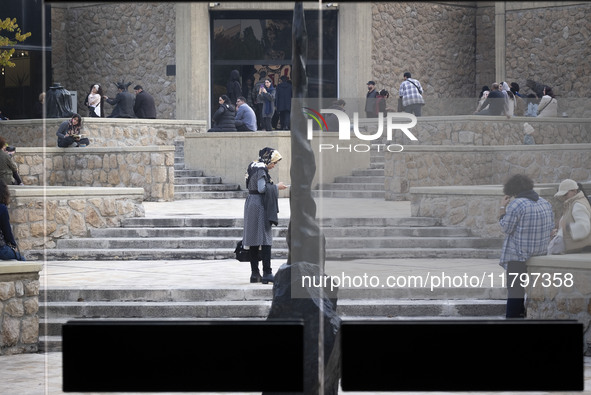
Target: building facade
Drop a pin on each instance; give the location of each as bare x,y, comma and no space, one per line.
182,53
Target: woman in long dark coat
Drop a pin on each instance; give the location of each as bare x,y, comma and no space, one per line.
260,212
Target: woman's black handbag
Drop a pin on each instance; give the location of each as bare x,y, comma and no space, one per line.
243,255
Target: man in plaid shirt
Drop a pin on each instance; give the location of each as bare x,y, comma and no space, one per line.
527,221
411,93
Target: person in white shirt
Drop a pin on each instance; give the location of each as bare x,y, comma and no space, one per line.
574,226
548,106
94,101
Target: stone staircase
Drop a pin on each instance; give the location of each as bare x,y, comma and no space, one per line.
362,183
193,184
58,305
216,238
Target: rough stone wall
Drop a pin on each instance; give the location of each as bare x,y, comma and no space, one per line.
449,166
551,46
485,47
569,300
435,42
105,43
39,222
149,168
19,305
486,131
477,209
102,132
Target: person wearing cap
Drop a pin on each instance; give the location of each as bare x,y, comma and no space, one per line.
370,100
574,226
411,93
144,106
527,220
123,102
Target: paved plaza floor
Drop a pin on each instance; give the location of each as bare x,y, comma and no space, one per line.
41,373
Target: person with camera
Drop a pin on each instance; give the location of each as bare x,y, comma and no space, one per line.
11,151
68,134
7,166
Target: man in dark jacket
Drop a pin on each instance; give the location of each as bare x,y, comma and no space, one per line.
370,100
123,102
233,88
497,105
283,98
144,106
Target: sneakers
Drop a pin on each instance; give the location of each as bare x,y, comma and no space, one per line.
73,145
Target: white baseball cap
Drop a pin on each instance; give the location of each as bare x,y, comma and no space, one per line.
565,186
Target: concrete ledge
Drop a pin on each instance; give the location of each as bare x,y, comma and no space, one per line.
72,192
13,266
580,261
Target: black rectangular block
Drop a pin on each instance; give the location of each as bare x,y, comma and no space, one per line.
191,356
507,355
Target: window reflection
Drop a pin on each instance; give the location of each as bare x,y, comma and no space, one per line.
252,42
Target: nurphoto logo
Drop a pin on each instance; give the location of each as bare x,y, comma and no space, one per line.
394,121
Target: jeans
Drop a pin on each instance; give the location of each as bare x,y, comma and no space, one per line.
7,253
515,291
414,109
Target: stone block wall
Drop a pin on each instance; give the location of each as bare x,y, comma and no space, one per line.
19,306
150,168
567,299
101,132
40,216
419,166
486,131
485,47
108,42
435,42
550,45
475,207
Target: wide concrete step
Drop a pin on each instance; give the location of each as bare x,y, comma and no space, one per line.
188,173
360,185
89,254
354,179
365,231
56,311
239,222
255,293
184,180
205,187
333,243
210,195
349,194
368,172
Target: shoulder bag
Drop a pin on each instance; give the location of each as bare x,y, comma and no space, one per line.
243,255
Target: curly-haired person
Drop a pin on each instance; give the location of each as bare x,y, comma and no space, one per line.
527,221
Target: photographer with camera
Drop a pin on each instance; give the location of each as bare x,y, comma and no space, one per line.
7,166
68,134
10,151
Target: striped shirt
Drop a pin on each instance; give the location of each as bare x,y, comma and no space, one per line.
527,224
409,92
